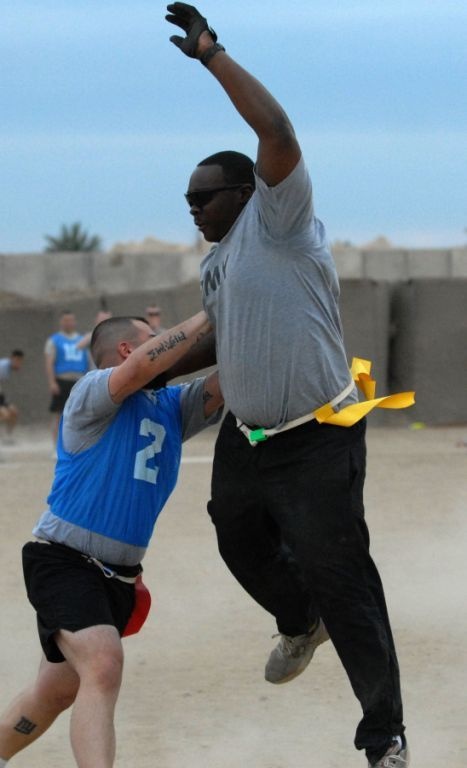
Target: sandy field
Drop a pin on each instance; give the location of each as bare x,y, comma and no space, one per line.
194,694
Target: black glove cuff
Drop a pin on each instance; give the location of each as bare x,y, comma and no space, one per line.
206,57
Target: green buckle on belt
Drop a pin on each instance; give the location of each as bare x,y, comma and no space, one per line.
257,435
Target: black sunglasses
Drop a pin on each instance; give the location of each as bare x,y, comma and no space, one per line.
202,197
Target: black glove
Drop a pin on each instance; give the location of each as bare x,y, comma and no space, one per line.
191,21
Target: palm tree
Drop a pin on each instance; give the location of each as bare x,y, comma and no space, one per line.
73,238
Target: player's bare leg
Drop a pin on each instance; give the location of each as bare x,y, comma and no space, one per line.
12,418
9,416
96,654
32,712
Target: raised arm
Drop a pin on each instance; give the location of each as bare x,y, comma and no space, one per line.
155,356
278,149
49,359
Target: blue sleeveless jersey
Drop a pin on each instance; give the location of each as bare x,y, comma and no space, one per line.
117,487
68,359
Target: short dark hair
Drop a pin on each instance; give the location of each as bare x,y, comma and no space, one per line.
109,331
17,353
236,167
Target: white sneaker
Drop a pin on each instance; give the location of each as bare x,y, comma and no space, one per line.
292,655
397,756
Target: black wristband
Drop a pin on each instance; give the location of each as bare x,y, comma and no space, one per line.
207,55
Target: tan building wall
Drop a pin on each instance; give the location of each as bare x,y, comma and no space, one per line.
50,275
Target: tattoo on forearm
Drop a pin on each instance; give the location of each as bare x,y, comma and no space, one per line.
164,346
25,726
207,396
199,338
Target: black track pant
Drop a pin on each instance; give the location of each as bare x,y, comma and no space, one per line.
290,524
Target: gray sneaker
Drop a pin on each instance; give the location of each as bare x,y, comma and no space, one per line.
292,655
397,756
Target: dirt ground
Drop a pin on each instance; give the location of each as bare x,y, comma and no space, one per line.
193,692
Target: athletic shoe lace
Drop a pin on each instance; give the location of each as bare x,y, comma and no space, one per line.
292,646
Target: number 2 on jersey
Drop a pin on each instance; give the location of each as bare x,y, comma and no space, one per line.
142,471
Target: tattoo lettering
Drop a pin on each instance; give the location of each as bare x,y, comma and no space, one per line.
25,726
200,336
164,346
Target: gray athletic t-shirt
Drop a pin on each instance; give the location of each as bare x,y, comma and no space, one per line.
271,291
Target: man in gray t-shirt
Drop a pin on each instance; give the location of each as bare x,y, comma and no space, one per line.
287,491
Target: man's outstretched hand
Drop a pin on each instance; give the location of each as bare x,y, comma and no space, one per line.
193,24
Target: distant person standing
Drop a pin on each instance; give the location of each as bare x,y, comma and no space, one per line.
153,316
85,342
64,364
8,411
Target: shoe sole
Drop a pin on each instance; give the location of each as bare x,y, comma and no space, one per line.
290,677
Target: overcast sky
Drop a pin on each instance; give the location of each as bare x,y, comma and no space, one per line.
103,119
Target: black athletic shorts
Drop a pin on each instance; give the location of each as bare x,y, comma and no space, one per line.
57,402
69,592
3,402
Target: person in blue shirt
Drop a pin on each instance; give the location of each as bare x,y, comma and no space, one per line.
118,450
65,363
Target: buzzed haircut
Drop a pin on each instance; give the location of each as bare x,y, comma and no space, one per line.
237,168
109,332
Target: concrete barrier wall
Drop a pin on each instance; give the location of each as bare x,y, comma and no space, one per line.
415,333
429,349
46,275
365,313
